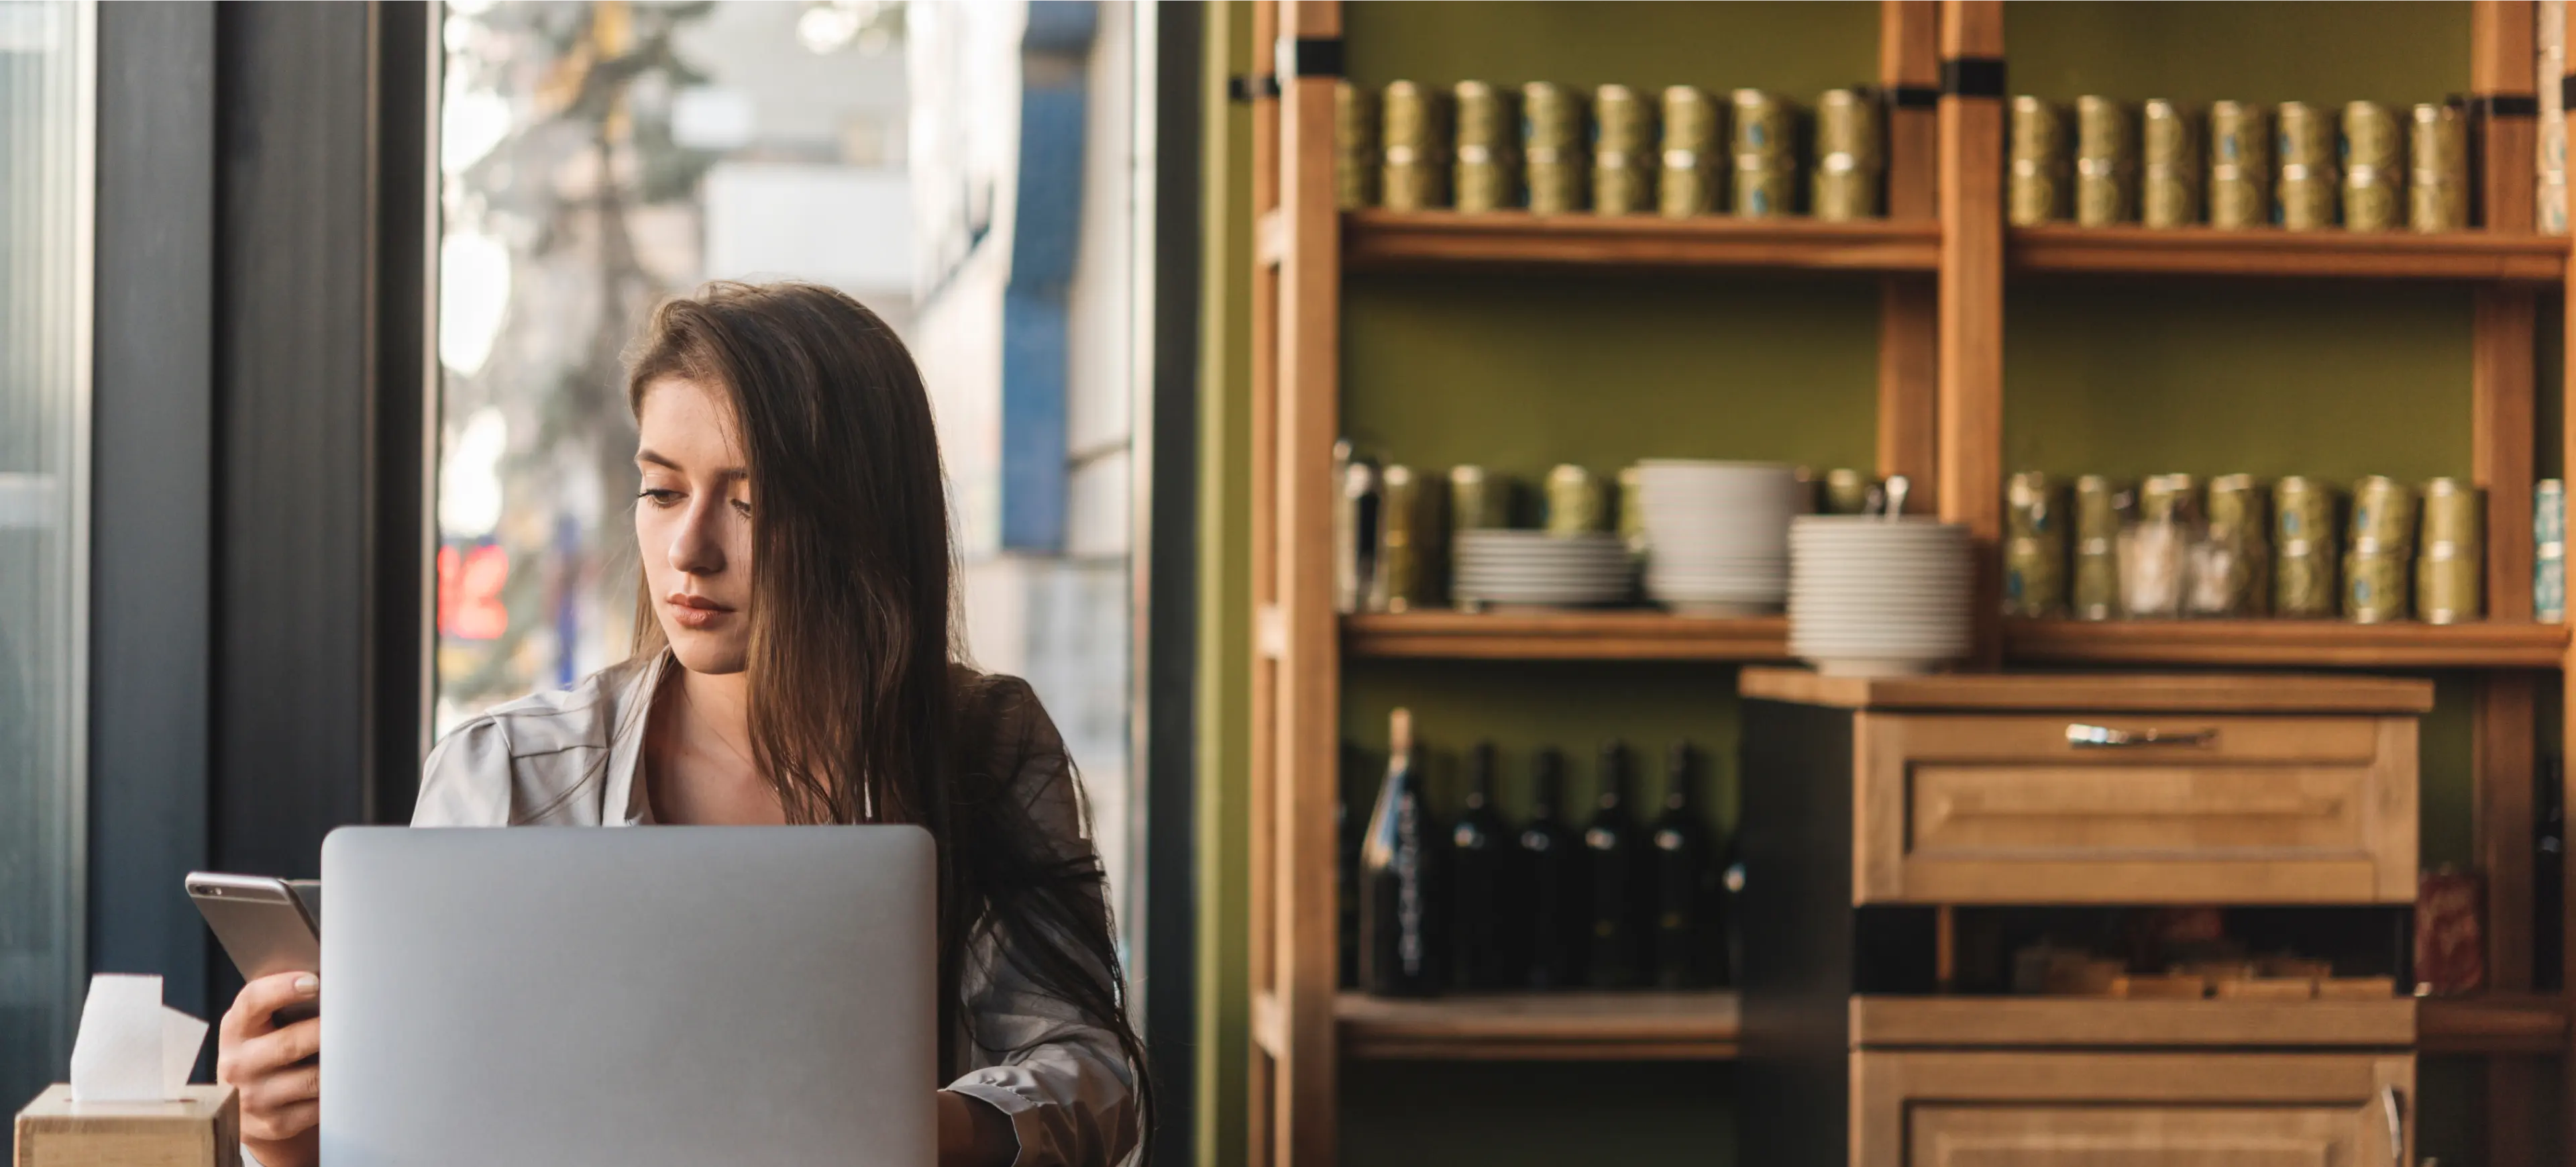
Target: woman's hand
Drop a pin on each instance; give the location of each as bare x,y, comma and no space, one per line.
972,1133
274,1068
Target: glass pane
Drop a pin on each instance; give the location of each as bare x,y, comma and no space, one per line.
596,158
46,72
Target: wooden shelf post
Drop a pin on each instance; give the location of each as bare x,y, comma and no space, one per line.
1299,624
1909,322
1971,358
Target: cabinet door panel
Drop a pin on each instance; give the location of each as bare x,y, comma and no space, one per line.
1966,809
2125,1136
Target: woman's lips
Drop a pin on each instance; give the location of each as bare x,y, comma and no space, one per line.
697,612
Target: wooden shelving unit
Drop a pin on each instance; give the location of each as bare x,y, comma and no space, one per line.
1381,240
1593,1027
1942,259
2475,256
1617,635
2319,644
2497,1023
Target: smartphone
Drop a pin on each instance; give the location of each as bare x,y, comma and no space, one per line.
266,927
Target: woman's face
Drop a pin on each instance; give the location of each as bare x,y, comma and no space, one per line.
693,524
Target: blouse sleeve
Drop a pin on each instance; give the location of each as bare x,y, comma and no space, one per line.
466,781
1061,1079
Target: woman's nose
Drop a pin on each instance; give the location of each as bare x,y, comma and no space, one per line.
695,547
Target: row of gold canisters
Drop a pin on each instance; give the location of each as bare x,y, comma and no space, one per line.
2303,167
2167,548
1552,150
1392,522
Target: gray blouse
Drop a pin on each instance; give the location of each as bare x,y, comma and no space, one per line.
574,758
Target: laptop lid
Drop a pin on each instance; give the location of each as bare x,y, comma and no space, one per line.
653,995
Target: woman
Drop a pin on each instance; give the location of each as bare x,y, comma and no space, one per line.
793,664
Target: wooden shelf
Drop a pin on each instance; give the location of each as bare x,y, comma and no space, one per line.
1375,239
2209,251
2496,1023
1578,1026
1570,635
2284,643
1974,1021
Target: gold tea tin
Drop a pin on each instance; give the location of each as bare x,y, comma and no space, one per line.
1763,139
2305,146
1355,151
2237,523
2168,496
2383,517
1413,544
1574,501
1553,157
2169,188
2374,168
1623,160
1416,173
1632,509
2374,586
2438,186
1846,491
1848,157
2034,546
2304,547
2106,162
1478,500
2240,165
2031,507
1486,176
2096,589
2304,584
2447,588
2039,190
1693,158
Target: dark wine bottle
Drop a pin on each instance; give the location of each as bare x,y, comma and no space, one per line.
1619,874
1399,949
1687,933
1730,915
1551,882
1479,851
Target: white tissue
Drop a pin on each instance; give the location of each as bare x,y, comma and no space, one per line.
131,1047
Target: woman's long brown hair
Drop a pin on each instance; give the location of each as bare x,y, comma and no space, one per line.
859,709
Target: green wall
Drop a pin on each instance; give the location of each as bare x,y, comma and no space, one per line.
1518,372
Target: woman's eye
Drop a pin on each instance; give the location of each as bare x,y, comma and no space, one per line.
659,497
742,508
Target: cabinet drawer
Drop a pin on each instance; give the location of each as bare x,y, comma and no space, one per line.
1966,809
2131,1110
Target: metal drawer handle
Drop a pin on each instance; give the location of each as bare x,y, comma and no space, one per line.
2388,1100
2080,734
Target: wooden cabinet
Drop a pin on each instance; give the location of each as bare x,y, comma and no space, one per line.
1879,816
2046,1109
2125,808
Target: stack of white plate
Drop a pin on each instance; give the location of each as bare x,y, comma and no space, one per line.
1870,597
1535,568
1717,534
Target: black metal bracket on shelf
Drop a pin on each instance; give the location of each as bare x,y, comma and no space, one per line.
1972,77
1244,90
1308,56
2504,105
1913,96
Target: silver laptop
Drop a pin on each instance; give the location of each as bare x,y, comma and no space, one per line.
641,996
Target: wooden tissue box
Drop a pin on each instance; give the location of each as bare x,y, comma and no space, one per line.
200,1129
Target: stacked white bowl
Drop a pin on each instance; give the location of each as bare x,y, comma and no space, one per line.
1875,597
1717,534
1537,569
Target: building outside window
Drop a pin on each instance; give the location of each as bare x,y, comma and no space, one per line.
48,123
